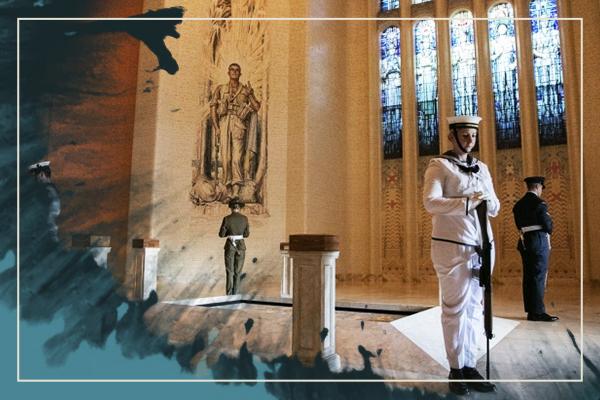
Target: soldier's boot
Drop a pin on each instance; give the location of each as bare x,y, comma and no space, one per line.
472,373
459,388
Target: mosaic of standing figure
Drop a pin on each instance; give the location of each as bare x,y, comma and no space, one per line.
231,147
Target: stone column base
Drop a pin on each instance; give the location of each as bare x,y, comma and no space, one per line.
287,283
313,312
142,276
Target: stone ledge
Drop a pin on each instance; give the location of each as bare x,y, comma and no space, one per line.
142,243
314,243
86,240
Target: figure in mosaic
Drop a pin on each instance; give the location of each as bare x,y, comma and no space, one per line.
464,66
231,163
230,150
505,79
233,111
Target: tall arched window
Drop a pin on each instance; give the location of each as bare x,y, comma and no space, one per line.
548,74
464,67
387,5
391,98
505,84
426,87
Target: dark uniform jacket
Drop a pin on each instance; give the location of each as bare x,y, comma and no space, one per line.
532,210
235,224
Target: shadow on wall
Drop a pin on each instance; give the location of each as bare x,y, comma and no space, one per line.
78,109
56,282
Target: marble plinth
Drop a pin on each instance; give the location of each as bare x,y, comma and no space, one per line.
287,269
144,268
313,313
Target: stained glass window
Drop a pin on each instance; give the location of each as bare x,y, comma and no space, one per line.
505,85
426,87
464,67
391,98
387,5
547,66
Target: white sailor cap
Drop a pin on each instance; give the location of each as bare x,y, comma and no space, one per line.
39,165
464,121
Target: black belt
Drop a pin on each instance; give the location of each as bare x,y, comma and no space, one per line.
540,231
475,246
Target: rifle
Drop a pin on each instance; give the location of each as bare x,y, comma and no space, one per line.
485,278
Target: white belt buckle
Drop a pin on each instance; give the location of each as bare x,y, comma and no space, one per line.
531,228
233,238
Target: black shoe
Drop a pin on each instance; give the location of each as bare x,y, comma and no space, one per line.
472,373
459,388
541,317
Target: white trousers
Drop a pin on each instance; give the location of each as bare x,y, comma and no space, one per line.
462,301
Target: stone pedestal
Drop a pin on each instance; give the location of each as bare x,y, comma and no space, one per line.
144,268
313,314
287,285
98,245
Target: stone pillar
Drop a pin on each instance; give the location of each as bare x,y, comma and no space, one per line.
445,95
410,146
98,245
144,268
569,43
313,313
530,143
485,94
287,283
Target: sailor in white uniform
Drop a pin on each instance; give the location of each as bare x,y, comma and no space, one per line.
455,184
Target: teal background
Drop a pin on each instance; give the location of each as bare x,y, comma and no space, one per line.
103,363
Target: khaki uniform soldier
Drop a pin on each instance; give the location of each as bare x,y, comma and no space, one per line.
235,227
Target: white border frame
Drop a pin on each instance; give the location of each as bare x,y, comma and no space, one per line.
18,349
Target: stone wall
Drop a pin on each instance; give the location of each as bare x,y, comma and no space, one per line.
124,151
87,110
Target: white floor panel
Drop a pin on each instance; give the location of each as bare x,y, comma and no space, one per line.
425,330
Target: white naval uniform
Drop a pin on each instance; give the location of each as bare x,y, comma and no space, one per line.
446,193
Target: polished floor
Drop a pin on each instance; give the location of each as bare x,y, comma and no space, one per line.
548,355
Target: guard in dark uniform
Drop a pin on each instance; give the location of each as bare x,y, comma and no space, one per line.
235,227
535,227
43,174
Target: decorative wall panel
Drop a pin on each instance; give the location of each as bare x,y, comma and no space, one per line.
509,189
393,220
423,226
557,194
